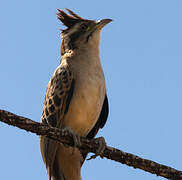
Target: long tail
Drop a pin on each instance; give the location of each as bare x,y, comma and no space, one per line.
62,162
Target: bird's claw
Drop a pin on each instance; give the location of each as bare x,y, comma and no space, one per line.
76,138
102,145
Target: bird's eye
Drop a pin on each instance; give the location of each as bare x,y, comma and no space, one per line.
84,26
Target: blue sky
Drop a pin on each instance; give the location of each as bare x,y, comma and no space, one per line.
141,52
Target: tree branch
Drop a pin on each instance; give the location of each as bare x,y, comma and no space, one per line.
90,146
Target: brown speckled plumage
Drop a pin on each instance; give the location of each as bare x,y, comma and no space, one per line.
59,90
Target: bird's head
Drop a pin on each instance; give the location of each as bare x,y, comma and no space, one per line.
80,33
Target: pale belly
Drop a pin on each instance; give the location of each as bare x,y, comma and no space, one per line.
85,108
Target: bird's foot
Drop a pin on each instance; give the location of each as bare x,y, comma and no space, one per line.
76,138
102,145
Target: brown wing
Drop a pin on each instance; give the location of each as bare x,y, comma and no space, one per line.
57,100
100,123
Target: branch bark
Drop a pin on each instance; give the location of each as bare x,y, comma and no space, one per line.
90,146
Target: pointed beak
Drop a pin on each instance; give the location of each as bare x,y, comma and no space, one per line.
101,23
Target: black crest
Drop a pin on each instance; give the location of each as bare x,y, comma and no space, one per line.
69,20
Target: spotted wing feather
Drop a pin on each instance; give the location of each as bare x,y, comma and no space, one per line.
58,96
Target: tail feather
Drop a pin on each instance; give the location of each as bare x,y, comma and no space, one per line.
56,174
61,163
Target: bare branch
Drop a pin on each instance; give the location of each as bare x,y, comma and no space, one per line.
90,146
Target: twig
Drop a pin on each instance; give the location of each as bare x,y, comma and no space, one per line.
90,146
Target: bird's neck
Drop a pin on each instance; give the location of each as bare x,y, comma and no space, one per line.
84,53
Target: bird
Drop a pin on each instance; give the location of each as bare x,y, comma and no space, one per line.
76,97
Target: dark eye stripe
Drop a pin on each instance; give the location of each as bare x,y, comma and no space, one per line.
73,37
78,33
68,41
84,26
